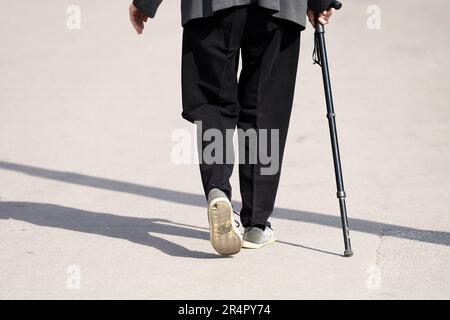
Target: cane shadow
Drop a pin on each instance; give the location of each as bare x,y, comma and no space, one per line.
137,230
186,198
309,248
366,226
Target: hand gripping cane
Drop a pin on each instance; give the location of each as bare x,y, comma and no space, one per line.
320,57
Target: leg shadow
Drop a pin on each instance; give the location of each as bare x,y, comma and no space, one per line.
138,230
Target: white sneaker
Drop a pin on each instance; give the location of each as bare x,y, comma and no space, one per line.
255,238
224,235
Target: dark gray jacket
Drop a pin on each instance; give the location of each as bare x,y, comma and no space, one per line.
293,10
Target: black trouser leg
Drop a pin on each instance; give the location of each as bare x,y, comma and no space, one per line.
270,53
209,83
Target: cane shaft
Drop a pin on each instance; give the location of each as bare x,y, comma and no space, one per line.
320,34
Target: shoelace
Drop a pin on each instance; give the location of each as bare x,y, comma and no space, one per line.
268,224
237,222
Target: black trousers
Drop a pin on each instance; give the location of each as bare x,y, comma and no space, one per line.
261,98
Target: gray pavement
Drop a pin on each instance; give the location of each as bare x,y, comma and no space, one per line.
92,205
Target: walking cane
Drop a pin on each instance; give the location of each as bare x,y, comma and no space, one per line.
320,57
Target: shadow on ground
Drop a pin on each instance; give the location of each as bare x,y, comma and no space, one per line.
147,225
137,230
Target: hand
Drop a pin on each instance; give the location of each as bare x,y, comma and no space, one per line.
137,19
323,19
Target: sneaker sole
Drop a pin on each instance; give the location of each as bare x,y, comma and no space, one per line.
224,236
252,245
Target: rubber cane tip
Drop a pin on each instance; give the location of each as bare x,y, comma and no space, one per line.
348,253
